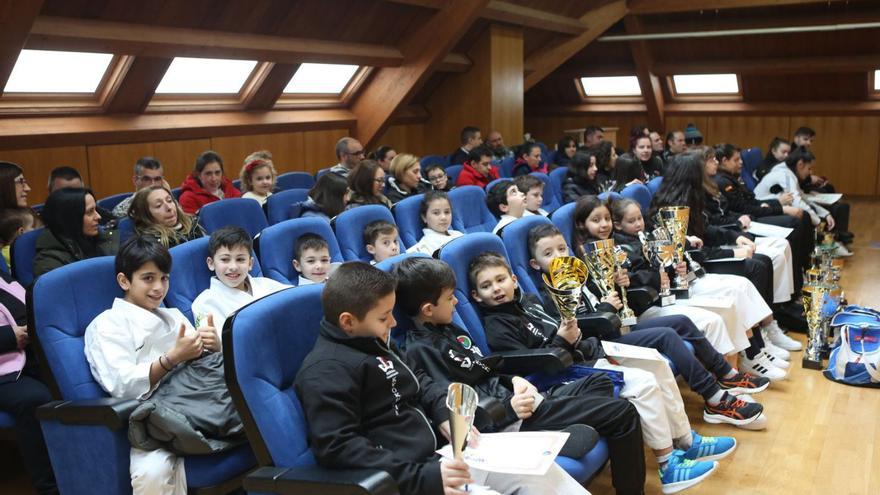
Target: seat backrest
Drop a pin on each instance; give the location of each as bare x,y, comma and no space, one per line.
428,160
469,210
453,172
491,184
263,349
190,274
654,184
458,253
64,302
4,267
241,212
409,222
751,158
295,180
278,242
278,205
639,193
110,202
505,168
349,226
176,192
563,219
237,184
125,227
404,321
22,254
516,243
610,194
551,199
557,177
322,172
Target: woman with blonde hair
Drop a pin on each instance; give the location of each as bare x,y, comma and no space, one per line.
258,176
157,214
406,178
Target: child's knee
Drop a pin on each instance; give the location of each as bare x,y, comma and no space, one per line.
152,471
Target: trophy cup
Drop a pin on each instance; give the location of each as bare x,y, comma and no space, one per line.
659,253
565,282
462,401
674,219
603,264
814,296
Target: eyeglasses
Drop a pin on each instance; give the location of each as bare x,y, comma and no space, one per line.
152,180
355,153
21,180
437,178
379,180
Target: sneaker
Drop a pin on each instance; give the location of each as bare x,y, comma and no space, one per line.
732,410
709,448
775,361
680,473
779,339
842,251
744,383
774,350
760,367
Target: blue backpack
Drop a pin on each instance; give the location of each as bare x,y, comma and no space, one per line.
856,359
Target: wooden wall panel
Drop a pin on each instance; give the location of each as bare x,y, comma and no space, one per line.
320,148
38,163
408,138
550,129
287,148
507,81
679,122
111,166
745,131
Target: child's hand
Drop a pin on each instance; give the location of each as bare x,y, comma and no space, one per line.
664,280
523,400
745,241
622,278
454,474
569,330
786,199
209,335
745,221
613,299
742,252
21,335
188,346
695,241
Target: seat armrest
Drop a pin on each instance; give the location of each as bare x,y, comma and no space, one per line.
641,298
490,411
600,323
315,479
528,361
109,412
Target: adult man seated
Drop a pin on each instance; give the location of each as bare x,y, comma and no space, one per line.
674,145
147,172
593,136
496,144
470,139
69,177
350,152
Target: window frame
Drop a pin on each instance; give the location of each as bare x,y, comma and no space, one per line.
326,100
873,90
697,97
195,102
579,85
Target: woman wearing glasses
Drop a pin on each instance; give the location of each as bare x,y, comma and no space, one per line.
406,178
365,183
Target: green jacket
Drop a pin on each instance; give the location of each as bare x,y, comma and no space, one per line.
53,251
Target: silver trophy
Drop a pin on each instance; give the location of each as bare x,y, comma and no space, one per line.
603,261
462,401
659,253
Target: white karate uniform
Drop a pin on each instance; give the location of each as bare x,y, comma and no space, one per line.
432,240
120,345
541,211
711,324
221,300
505,219
304,281
779,251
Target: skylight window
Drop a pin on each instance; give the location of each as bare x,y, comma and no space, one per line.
611,86
877,80
205,75
706,84
45,71
320,78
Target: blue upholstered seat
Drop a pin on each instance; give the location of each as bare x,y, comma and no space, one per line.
278,241
349,226
241,212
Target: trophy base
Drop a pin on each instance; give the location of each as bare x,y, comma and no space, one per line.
681,293
811,364
825,351
628,322
624,329
667,300
691,276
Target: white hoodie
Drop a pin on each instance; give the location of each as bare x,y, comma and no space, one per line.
782,176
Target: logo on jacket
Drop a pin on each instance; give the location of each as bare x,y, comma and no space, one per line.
387,367
465,341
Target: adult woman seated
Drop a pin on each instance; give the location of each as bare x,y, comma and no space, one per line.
157,214
528,160
71,233
206,184
565,150
581,177
406,178
14,191
365,184
326,199
606,160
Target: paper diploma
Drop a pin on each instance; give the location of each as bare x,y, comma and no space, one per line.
824,198
531,452
768,230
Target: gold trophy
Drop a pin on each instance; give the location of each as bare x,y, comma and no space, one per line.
603,263
461,400
674,219
565,282
659,253
814,296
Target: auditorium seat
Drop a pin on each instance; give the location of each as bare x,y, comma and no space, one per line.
408,219
278,205
551,198
557,178
278,242
752,159
22,254
610,194
240,212
505,168
640,194
469,210
654,184
453,172
428,160
294,180
563,219
125,228
110,202
491,184
349,227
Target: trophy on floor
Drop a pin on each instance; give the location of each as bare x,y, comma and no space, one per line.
461,400
814,299
565,282
659,253
603,264
674,219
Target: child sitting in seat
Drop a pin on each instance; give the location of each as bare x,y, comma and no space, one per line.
368,408
13,223
380,239
515,321
229,257
436,175
133,345
312,259
258,176
506,202
436,214
533,189
425,292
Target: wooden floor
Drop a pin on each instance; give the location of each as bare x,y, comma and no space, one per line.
822,437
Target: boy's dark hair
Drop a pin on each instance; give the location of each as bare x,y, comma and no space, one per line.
468,133
229,237
355,288
526,183
376,228
420,281
309,241
592,129
483,261
539,232
804,131
12,219
497,196
800,154
479,152
433,167
430,197
63,172
137,252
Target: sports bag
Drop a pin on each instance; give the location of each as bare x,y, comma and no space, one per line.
856,359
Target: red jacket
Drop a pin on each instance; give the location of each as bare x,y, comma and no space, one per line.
470,177
193,196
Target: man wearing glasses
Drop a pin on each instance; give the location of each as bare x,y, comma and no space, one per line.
350,152
147,172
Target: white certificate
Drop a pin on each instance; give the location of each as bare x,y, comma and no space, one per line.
768,230
525,452
825,198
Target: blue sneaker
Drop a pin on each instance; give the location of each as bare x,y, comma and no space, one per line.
709,448
681,474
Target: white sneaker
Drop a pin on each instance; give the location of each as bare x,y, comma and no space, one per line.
775,361
779,338
842,251
773,349
761,367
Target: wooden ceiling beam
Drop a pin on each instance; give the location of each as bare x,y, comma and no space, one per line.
511,13
546,60
789,65
652,91
667,6
391,88
715,108
710,22
16,19
138,85
271,87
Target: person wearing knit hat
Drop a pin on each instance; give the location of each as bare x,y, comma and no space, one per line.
692,136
